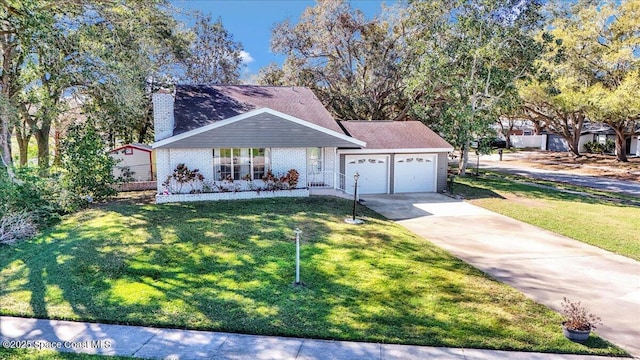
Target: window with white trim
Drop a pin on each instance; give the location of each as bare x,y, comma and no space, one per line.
240,163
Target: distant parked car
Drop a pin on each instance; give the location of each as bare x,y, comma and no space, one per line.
498,143
495,143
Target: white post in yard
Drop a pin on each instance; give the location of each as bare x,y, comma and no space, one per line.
298,232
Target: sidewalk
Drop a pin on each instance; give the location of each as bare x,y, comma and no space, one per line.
154,343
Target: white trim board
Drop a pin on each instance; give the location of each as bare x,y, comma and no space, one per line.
393,151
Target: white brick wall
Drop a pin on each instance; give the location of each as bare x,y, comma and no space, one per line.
284,159
330,164
330,161
163,167
162,199
163,115
201,159
168,159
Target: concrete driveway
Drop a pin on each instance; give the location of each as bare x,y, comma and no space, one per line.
543,265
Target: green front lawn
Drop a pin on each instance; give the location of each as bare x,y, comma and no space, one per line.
229,266
609,222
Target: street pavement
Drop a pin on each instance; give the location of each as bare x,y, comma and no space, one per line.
590,181
543,265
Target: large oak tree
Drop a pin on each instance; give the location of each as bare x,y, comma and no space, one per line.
588,70
466,58
353,64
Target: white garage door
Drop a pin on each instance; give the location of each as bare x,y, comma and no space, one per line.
373,170
414,173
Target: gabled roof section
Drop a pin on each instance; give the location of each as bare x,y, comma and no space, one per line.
395,135
260,128
201,105
139,146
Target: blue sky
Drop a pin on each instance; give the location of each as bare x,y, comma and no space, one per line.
250,21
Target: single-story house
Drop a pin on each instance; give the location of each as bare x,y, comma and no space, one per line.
134,162
236,134
597,132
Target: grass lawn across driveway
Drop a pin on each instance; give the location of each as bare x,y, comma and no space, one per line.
229,266
609,223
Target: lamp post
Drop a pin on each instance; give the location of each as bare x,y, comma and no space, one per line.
355,195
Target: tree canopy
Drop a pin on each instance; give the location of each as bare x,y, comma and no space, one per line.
352,64
588,70
104,55
214,55
466,57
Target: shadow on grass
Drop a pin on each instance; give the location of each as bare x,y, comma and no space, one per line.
490,185
229,266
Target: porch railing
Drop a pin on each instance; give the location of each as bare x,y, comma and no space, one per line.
326,180
320,179
340,182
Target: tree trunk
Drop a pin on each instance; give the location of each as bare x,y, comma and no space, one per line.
5,123
574,146
574,140
23,135
57,159
4,139
42,138
621,145
23,146
464,159
537,127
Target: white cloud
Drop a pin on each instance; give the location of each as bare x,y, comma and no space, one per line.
246,57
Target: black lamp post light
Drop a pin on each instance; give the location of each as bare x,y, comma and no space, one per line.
353,219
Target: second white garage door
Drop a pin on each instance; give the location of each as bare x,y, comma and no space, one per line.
373,170
414,173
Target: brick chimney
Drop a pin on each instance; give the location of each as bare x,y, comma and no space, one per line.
163,120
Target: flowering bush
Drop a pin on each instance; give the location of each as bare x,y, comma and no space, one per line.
183,175
288,181
291,179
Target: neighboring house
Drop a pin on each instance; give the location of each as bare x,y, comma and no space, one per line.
593,132
241,132
134,162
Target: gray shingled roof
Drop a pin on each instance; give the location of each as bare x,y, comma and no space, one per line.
200,105
395,134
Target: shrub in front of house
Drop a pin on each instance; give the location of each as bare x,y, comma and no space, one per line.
186,181
595,147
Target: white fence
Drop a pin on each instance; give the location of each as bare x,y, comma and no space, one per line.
140,172
529,141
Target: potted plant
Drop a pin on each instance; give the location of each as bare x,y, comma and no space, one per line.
578,321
